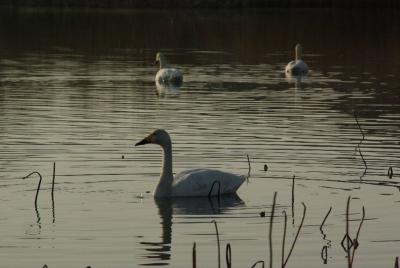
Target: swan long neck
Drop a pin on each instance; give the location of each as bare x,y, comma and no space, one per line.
164,186
298,52
162,61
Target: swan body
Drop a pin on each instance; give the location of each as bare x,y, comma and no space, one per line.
297,67
167,89
196,182
165,74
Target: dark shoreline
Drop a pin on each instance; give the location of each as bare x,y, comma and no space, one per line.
202,3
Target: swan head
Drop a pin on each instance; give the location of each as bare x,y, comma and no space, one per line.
299,51
158,136
160,59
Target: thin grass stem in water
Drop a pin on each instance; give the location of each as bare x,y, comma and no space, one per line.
257,262
358,124
52,192
212,187
297,234
228,256
284,238
248,174
219,249
324,254
348,239
326,217
390,172
293,183
270,230
356,243
194,255
38,187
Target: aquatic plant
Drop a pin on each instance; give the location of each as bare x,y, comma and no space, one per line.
38,187
351,245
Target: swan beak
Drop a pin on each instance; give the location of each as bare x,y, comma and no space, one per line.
156,62
144,141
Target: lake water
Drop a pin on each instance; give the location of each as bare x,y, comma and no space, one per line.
77,88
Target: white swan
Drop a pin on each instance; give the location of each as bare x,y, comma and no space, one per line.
164,89
297,67
196,182
165,74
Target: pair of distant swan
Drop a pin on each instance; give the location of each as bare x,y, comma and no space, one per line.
174,77
197,182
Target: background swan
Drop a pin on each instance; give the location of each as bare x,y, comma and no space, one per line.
196,182
297,66
166,74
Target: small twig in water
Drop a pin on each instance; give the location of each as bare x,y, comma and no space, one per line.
54,177
212,187
396,263
362,157
351,245
293,200
358,124
228,256
324,254
38,187
194,255
284,238
248,174
255,264
390,172
219,250
270,230
347,233
297,234
265,167
358,145
52,192
356,243
326,217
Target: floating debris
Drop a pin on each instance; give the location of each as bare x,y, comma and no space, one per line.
390,172
265,167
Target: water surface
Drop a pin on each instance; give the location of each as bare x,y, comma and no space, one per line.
77,88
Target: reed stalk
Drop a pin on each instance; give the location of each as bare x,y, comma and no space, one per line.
194,255
248,174
219,248
270,230
257,262
38,187
297,234
325,218
228,256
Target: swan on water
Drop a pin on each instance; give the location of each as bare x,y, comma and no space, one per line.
164,89
167,75
195,182
297,67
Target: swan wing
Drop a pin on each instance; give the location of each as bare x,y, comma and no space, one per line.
296,67
169,75
198,182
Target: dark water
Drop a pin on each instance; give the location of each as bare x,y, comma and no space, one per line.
77,88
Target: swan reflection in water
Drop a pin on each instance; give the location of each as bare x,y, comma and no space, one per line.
159,253
164,89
